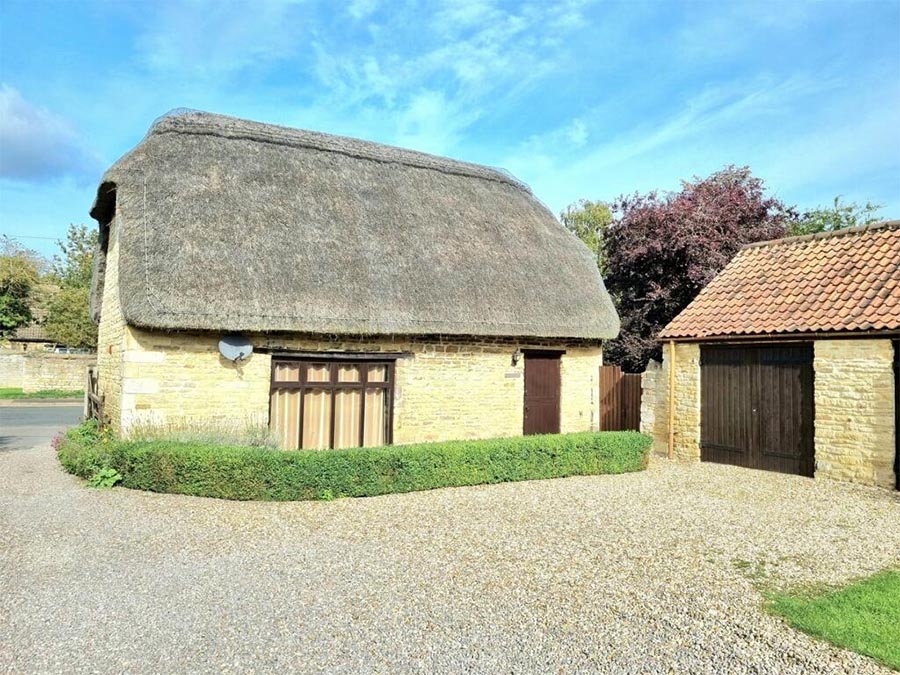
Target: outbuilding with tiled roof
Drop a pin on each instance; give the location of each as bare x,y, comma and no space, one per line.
788,360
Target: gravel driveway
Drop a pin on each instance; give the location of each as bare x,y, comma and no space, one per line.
650,572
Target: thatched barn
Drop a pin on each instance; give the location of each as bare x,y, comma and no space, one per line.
389,296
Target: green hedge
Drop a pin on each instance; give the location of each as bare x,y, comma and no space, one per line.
229,472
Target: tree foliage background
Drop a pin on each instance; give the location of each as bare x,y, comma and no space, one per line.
68,319
838,217
589,221
663,249
657,251
20,273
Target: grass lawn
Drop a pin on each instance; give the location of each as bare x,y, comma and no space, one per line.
863,616
13,393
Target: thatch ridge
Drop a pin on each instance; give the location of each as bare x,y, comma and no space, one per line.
223,126
226,224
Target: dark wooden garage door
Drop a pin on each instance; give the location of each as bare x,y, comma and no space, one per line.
757,407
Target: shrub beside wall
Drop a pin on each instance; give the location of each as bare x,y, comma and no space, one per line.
230,472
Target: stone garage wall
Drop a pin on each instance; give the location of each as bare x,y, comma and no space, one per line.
854,408
41,371
854,393
655,402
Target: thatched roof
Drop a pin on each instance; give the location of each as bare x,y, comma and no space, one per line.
227,224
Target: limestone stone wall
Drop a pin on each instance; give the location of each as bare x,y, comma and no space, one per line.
580,395
177,381
687,401
12,369
655,405
36,371
854,400
655,402
444,389
111,334
854,408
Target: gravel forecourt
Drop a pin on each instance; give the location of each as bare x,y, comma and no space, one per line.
654,572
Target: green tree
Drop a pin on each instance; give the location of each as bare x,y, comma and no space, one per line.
19,276
68,319
839,217
75,265
589,222
68,311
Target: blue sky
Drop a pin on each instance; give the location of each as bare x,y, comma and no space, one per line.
576,98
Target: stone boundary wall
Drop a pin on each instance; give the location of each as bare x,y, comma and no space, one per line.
655,405
42,371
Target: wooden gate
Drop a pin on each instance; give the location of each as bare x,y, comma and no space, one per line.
620,399
756,407
93,402
542,380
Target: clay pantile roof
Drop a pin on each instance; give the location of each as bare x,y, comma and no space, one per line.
842,281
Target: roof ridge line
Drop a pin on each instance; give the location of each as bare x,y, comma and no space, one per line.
199,122
881,225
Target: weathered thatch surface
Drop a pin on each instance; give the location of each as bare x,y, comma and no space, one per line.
227,224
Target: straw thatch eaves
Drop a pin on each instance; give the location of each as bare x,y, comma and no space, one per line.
226,224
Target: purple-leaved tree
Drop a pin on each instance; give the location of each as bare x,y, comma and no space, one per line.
663,249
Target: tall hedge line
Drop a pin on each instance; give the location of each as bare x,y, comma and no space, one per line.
244,473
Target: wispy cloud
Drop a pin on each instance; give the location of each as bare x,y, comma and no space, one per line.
36,145
708,130
579,98
361,9
211,39
471,57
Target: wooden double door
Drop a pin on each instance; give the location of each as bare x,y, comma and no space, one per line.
757,407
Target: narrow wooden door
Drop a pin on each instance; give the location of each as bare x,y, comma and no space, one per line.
542,380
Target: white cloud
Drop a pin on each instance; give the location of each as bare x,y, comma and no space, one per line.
423,83
206,38
362,9
714,127
35,144
431,123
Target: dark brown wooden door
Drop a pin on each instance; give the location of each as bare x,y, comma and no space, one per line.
620,400
756,407
541,393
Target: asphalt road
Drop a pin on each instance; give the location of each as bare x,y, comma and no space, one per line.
27,426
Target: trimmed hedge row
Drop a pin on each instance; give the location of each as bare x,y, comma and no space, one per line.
245,473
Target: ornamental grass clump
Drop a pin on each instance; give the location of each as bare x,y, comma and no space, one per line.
253,473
